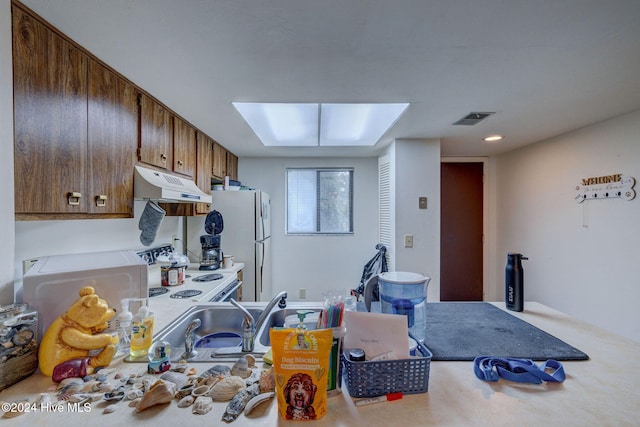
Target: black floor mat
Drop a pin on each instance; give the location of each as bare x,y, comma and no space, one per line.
464,330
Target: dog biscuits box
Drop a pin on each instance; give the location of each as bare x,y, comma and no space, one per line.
301,365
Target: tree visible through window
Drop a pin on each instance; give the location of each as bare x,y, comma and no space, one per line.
319,201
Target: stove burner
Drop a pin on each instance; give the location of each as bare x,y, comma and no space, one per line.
154,292
208,277
186,294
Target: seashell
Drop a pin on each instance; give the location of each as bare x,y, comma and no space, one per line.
185,391
251,361
111,408
257,400
17,409
135,402
241,368
175,377
226,388
90,385
202,405
254,377
134,394
79,398
267,381
44,400
192,371
160,392
212,380
239,401
114,396
186,401
217,370
117,376
201,390
23,337
68,387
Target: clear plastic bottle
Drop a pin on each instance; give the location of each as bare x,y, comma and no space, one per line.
141,332
123,326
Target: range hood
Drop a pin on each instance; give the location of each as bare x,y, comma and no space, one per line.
150,184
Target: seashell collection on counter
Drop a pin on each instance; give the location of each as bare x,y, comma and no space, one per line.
242,387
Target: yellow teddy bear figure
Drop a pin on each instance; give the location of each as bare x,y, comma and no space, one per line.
77,332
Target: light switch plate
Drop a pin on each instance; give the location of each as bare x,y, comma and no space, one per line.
422,202
408,240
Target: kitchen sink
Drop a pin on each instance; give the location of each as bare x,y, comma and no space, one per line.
276,319
221,320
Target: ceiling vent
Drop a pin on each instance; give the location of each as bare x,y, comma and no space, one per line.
472,119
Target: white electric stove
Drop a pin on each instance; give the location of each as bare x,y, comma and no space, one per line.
198,286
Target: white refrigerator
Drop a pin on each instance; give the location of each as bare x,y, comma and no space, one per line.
246,235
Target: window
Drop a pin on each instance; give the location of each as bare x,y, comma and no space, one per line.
319,201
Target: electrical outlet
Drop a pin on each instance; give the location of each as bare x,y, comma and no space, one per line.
408,240
303,293
422,202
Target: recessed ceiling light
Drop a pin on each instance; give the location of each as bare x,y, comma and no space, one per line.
492,138
289,124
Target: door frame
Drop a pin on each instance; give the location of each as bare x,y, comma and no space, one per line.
486,295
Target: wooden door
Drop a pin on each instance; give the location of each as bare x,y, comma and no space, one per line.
50,117
184,148
155,134
112,142
461,240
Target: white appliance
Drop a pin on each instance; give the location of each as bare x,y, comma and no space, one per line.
52,284
247,236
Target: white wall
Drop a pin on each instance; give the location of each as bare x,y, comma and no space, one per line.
317,263
416,173
7,235
584,259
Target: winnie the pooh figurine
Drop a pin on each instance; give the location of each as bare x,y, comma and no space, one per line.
77,332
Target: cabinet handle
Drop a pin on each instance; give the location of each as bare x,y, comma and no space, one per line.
101,200
163,158
180,163
73,198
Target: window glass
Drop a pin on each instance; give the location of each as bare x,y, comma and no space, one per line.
319,201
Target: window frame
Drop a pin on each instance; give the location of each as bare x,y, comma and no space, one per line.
319,170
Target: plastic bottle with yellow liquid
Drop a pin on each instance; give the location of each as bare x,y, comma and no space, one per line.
141,332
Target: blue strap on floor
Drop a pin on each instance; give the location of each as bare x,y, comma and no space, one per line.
519,370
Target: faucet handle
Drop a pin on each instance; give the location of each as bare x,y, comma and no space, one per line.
283,301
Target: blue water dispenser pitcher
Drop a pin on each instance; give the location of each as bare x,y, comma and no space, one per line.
406,294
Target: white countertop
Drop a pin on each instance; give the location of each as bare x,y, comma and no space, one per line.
601,391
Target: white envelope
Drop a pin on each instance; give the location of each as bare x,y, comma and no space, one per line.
377,333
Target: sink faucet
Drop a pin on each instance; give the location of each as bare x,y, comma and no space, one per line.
189,352
250,325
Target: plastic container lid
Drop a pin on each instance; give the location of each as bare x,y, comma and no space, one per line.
402,277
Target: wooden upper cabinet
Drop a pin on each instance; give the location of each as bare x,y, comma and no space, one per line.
219,161
232,165
156,134
184,148
50,116
112,141
203,169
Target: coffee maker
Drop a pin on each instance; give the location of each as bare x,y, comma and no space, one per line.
211,252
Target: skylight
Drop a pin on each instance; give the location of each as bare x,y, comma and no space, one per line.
300,125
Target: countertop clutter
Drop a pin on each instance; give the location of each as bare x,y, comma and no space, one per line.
599,391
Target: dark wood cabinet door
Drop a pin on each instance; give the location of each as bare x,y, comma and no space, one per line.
50,116
204,158
219,161
232,165
112,141
184,148
156,134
